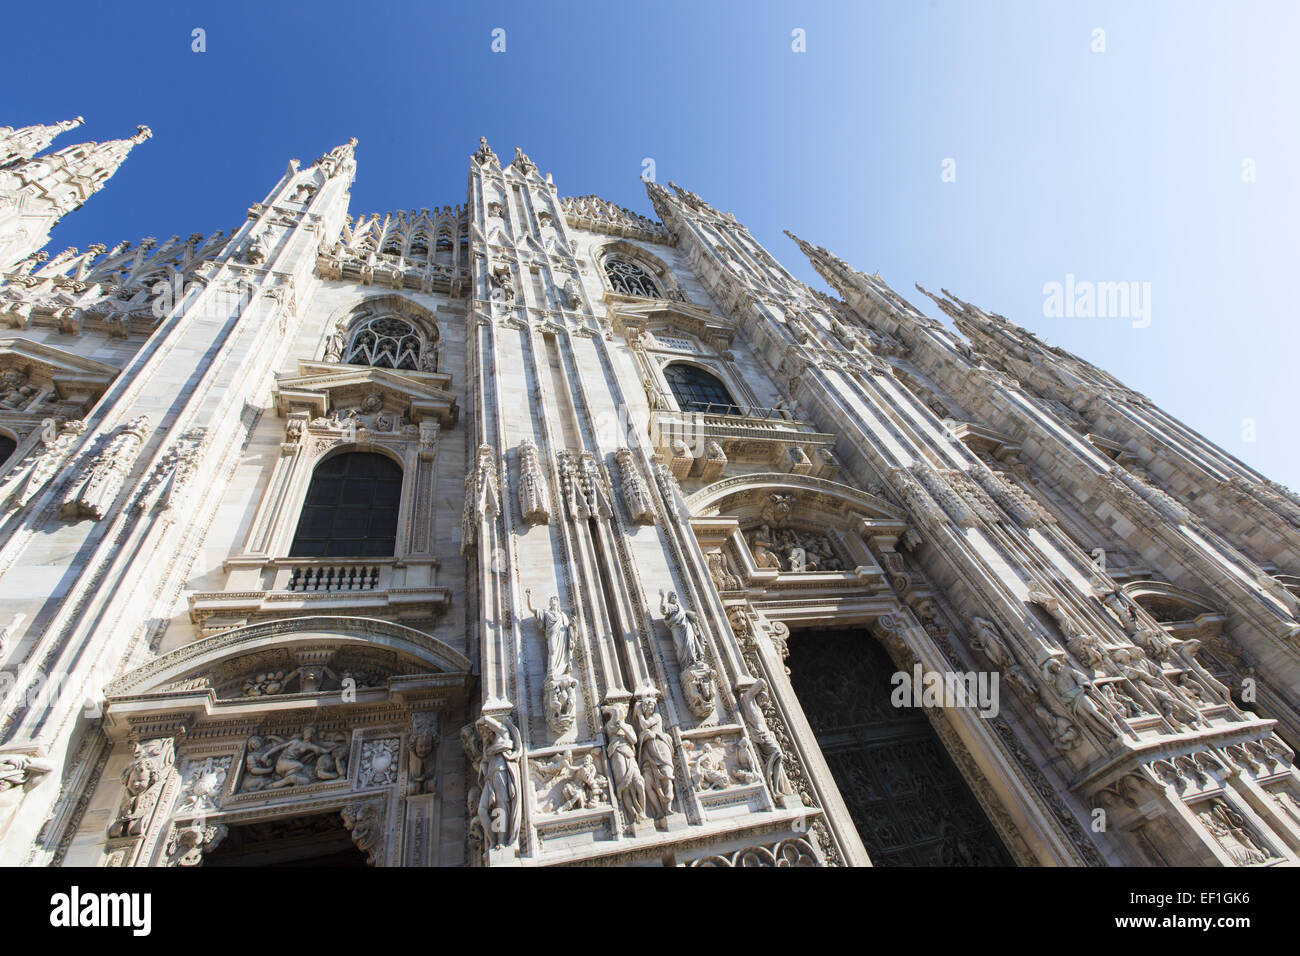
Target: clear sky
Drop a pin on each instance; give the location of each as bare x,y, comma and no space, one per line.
1123,165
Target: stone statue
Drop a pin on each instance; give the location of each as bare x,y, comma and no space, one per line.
752,699
423,748
620,749
504,282
1229,828
710,765
572,296
655,751
557,628
499,803
336,342
365,822
187,844
699,683
484,152
682,625
1072,687
989,639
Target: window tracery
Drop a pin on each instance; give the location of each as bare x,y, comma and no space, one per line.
628,278
385,342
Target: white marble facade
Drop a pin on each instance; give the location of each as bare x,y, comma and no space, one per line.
630,462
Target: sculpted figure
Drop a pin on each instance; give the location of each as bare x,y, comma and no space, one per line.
761,544
1072,687
95,490
142,780
295,760
751,702
572,297
1229,827
629,785
557,628
258,765
656,758
711,767
498,806
504,281
682,625
423,752
256,252
559,689
580,785
334,345
1088,648
15,392
1063,733
722,577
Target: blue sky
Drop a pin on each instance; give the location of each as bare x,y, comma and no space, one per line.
1123,165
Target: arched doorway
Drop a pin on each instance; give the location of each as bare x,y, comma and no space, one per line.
907,799
318,839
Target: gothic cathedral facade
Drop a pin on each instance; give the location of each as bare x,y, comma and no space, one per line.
533,531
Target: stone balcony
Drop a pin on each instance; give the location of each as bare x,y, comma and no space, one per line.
699,444
261,589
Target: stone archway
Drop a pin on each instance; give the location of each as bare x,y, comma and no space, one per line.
242,733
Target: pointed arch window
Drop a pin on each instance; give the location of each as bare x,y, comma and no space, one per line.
697,390
628,278
351,508
385,342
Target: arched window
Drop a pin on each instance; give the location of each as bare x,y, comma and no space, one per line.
7,446
351,508
699,391
628,278
385,342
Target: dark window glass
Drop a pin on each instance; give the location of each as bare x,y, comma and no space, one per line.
351,509
699,391
7,446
